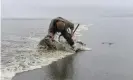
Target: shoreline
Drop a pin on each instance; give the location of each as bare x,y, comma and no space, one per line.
45,71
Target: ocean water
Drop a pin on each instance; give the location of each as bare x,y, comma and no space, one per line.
20,39
105,62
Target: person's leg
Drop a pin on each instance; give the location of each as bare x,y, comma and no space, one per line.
68,37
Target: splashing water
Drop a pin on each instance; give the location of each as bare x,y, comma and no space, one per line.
20,54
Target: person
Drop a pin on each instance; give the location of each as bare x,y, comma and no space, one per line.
61,25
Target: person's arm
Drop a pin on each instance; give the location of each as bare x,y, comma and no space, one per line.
72,28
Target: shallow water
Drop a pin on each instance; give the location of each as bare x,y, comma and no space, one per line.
104,62
19,47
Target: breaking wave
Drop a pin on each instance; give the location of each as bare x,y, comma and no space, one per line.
20,54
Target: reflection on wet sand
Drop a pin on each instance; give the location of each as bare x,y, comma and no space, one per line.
60,70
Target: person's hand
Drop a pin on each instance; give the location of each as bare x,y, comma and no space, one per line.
52,37
73,37
72,32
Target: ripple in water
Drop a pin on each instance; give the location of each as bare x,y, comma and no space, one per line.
20,54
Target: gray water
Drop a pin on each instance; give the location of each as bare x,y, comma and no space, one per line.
104,62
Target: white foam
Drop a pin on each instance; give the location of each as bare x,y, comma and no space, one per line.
86,49
83,27
29,59
34,39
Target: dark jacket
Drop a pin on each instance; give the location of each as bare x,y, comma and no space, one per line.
52,27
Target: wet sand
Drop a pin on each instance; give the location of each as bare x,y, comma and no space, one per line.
104,62
58,70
